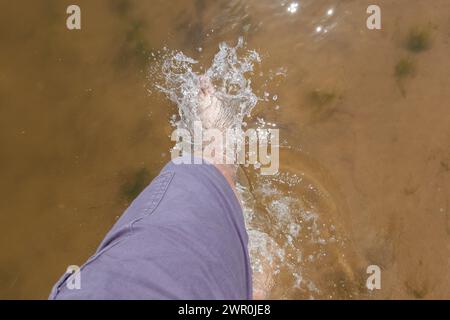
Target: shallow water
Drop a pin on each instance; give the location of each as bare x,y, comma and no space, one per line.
363,116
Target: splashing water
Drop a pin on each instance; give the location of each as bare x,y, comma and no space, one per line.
296,241
225,84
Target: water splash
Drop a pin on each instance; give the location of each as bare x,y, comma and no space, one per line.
228,76
296,241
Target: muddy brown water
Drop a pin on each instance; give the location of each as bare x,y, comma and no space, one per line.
365,113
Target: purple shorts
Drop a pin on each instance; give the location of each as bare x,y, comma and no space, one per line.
183,237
